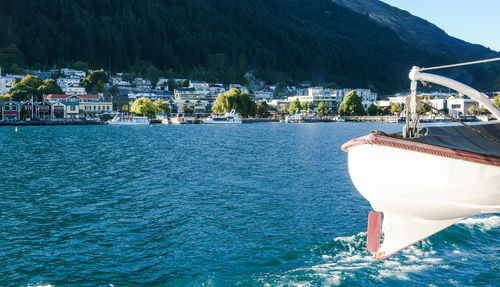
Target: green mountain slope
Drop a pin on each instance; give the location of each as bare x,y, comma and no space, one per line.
218,40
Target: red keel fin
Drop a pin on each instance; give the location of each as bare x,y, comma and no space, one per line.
373,233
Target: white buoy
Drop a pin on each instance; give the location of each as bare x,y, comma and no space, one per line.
16,129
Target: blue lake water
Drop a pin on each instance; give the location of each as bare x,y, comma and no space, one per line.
201,205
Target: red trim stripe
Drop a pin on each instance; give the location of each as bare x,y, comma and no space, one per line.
378,139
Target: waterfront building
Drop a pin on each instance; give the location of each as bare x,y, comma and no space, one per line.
58,111
315,95
459,106
43,110
93,109
437,103
11,111
76,106
27,111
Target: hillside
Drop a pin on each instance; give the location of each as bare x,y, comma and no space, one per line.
220,40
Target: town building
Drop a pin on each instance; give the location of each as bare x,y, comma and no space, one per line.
77,106
75,89
315,95
63,83
7,81
11,111
216,89
141,83
72,73
459,106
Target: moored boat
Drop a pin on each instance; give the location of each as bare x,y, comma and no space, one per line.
228,118
121,119
424,180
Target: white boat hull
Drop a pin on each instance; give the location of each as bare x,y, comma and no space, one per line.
420,193
211,121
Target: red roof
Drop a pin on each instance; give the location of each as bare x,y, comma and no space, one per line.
63,96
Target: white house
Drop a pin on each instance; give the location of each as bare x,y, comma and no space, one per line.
216,89
75,89
72,73
65,82
7,81
460,106
315,95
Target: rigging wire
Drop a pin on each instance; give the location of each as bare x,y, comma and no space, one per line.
460,64
485,135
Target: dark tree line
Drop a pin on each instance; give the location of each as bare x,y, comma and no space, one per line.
215,40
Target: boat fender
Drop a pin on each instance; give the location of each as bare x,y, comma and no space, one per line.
373,232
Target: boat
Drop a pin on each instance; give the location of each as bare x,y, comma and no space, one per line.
181,120
424,180
165,121
121,119
228,118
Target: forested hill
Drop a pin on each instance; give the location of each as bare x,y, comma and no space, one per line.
218,40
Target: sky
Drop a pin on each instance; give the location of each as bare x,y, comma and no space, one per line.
474,21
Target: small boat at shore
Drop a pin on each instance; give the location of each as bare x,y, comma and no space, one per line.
182,120
228,118
424,180
121,119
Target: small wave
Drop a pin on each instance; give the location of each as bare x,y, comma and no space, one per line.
345,261
482,223
40,285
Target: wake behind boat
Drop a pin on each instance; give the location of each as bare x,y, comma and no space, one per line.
424,180
228,118
121,119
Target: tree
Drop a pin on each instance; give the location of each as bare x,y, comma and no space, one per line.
161,106
26,89
49,86
184,83
323,109
143,107
295,106
472,110
80,65
153,74
395,109
5,98
306,106
237,100
284,108
262,109
95,81
496,99
10,59
425,108
351,105
172,85
372,110
187,109
128,77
